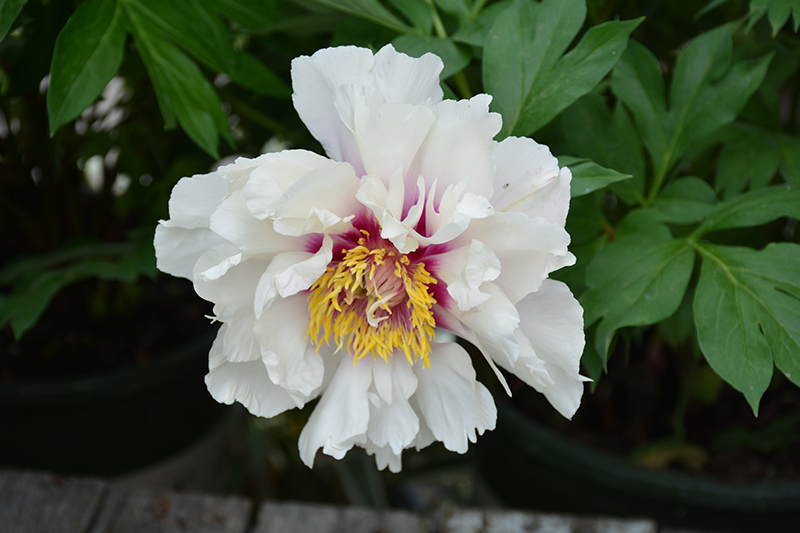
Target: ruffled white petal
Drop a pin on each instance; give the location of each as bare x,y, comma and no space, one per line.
246,383
321,201
453,404
553,321
290,273
341,417
270,180
401,78
458,147
528,250
494,321
465,269
527,179
392,421
178,249
291,361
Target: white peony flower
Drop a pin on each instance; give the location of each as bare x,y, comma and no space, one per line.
331,275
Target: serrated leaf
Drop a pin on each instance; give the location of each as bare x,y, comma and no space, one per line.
9,9
609,140
588,176
753,209
523,65
455,58
371,10
183,93
752,159
88,53
637,280
685,201
747,314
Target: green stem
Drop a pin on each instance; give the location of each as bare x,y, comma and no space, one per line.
459,78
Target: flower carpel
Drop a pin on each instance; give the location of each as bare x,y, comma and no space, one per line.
372,301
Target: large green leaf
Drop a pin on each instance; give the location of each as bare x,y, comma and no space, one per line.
637,280
777,12
747,314
752,158
183,93
191,24
588,176
753,209
609,140
9,9
88,53
371,10
685,201
455,57
251,73
707,92
523,65
477,30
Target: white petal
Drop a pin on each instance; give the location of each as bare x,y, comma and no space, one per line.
192,200
452,403
392,421
239,344
528,249
246,383
341,417
388,134
401,78
384,456
178,249
495,321
322,200
459,145
527,179
464,270
553,321
290,273
274,175
291,361
233,290
254,237
314,80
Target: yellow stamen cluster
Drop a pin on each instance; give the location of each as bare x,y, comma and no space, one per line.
352,303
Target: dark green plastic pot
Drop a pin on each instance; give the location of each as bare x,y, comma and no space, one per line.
529,466
111,424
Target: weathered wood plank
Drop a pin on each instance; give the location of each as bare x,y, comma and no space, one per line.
477,521
38,502
153,511
287,517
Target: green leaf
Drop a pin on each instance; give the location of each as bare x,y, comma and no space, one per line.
9,9
371,10
777,12
685,201
588,176
252,74
253,15
637,81
183,93
191,24
752,158
790,158
637,280
753,209
477,30
610,140
529,79
88,53
747,314
418,12
707,92
455,58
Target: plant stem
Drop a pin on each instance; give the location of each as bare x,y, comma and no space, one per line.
459,78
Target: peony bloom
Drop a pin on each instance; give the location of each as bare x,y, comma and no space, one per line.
331,276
